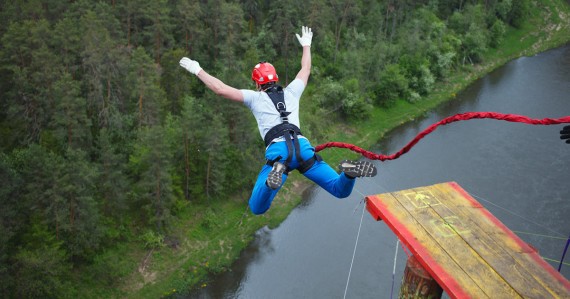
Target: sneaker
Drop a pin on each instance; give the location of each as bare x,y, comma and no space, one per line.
357,169
275,177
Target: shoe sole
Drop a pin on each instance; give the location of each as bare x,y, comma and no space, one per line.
275,177
358,169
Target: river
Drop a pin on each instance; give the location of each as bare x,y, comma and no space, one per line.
520,173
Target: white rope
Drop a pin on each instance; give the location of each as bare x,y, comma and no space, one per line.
394,270
354,252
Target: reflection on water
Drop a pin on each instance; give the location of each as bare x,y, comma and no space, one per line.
518,172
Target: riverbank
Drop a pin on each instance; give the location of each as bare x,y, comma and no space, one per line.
212,237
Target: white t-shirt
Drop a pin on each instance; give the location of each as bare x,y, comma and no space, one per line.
264,110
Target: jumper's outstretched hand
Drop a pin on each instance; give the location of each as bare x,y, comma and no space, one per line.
307,36
190,65
565,134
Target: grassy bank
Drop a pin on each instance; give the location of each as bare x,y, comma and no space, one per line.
211,237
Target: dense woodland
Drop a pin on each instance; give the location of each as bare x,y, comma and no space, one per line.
105,138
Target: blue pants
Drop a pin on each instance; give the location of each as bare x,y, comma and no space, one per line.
321,173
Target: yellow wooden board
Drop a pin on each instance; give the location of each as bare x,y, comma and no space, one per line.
464,247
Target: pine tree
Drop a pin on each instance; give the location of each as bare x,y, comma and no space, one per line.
113,184
70,122
159,31
33,67
143,80
151,167
104,65
74,196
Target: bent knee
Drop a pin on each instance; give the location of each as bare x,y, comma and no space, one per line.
257,210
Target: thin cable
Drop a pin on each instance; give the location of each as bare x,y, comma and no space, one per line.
394,269
539,235
243,216
354,252
555,261
545,227
515,214
563,254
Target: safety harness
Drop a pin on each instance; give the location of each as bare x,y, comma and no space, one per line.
288,130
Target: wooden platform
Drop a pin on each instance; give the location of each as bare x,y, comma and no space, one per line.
468,251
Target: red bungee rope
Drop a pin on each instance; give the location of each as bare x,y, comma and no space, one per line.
445,121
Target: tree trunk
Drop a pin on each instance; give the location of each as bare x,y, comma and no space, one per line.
56,227
157,42
141,95
129,30
208,175
158,201
140,108
394,17
71,213
69,135
417,283
287,58
186,43
187,168
338,29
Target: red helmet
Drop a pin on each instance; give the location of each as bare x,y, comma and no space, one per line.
263,73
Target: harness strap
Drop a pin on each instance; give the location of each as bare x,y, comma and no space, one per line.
297,147
289,131
290,144
279,130
307,164
277,96
303,166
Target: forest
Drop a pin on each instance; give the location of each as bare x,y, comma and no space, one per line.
105,140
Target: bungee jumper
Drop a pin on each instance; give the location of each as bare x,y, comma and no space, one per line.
276,110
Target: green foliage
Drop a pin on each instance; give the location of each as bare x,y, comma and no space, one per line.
355,105
512,12
345,100
417,70
10,220
471,27
498,30
70,123
209,220
150,164
519,13
76,212
112,265
393,85
113,185
152,239
41,267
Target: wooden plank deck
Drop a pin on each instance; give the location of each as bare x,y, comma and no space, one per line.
468,251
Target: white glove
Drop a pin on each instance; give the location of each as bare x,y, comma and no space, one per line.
191,65
305,40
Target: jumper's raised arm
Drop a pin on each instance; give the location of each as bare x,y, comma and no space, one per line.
214,84
305,41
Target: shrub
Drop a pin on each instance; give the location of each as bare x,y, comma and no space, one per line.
392,86
498,30
152,239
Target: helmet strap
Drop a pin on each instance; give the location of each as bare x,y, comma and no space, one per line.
266,86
